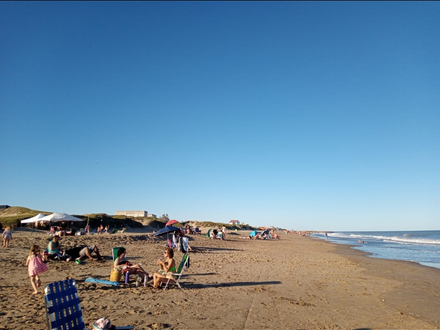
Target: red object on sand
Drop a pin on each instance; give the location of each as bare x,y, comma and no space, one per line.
171,222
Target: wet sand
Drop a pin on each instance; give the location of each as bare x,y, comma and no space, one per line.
292,283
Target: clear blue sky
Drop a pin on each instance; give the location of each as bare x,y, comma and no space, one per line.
303,115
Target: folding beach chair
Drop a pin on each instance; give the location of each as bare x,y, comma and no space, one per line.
63,309
115,252
174,280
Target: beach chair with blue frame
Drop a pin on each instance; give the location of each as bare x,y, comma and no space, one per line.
63,309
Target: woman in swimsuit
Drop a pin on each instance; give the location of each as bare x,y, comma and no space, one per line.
123,265
168,266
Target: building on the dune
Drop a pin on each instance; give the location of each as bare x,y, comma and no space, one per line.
132,213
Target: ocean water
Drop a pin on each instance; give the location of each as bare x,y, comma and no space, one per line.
422,247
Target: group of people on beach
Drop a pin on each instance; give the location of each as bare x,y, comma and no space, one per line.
167,267
36,261
265,234
218,233
54,252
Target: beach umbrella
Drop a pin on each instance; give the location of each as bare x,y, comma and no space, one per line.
171,222
60,217
36,218
166,230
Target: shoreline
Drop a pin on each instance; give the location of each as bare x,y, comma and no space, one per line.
378,254
292,283
415,280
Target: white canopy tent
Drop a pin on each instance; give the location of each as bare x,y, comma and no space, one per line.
36,218
60,217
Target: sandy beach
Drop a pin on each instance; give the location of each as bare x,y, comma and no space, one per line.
292,283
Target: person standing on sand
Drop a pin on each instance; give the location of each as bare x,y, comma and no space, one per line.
7,236
36,266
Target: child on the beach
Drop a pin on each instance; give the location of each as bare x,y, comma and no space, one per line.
7,236
35,266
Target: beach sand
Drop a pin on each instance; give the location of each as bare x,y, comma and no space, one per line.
292,283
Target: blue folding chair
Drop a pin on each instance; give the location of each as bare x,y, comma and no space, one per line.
63,309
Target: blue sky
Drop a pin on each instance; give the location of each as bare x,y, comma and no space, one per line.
303,115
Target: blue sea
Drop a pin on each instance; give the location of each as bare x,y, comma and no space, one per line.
422,247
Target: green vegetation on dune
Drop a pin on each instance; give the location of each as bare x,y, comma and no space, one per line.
12,216
211,224
97,219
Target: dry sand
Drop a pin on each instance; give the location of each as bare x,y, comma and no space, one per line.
293,283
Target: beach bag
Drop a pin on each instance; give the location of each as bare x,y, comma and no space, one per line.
115,276
103,324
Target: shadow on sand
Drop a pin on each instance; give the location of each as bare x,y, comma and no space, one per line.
223,285
207,249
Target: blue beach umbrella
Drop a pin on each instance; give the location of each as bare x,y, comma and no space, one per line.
166,230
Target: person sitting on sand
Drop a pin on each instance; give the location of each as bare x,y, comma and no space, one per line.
122,264
253,235
214,233
54,252
167,266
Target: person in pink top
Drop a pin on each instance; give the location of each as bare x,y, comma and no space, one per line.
36,266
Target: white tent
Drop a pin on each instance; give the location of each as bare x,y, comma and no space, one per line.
60,217
36,218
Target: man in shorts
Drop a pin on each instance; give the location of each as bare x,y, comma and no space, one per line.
87,252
